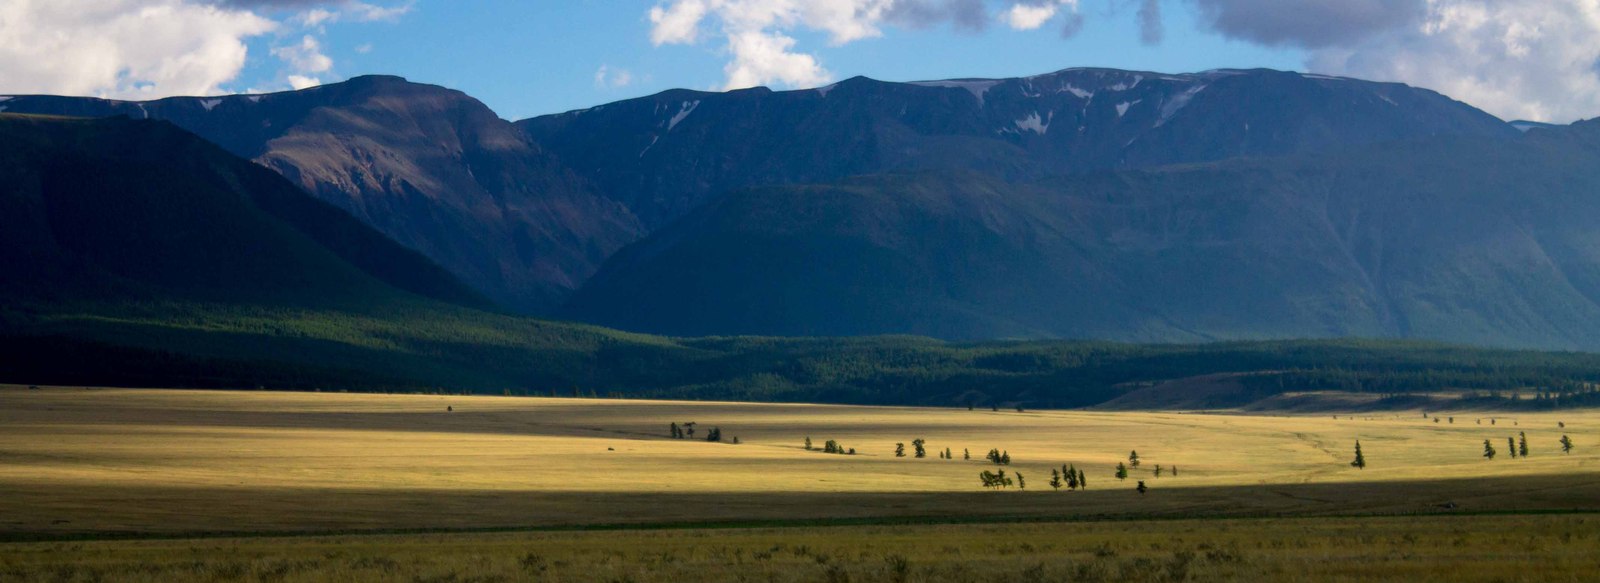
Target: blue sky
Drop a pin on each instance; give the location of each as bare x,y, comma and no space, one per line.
1527,59
531,58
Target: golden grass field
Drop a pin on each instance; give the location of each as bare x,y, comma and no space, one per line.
79,464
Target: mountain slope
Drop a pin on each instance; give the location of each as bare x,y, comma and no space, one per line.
525,213
666,154
1479,240
122,209
137,252
430,167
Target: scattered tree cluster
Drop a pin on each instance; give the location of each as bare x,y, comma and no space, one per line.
999,458
686,431
995,480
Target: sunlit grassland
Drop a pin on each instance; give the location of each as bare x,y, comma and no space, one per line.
76,461
160,485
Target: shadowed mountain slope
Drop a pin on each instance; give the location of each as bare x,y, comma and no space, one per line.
666,154
1478,240
429,167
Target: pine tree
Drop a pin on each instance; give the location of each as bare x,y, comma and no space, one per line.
1005,458
1021,484
1133,459
1083,481
1158,470
1511,446
899,450
1566,444
1488,450
1072,478
947,454
808,443
714,435
966,454
918,444
1360,462
1055,479
1522,443
1122,471
1141,487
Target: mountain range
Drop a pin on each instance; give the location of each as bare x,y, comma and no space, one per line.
1086,203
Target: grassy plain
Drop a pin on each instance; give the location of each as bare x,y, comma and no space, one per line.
1453,548
80,464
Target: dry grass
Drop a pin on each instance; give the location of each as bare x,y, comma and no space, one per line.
95,461
1504,548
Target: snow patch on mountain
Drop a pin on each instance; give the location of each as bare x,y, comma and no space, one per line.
1178,102
1124,86
210,104
1122,108
683,112
977,87
1075,90
823,91
1034,123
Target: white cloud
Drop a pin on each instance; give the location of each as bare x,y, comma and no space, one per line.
607,77
1030,16
133,49
363,12
305,56
765,58
148,49
1533,59
303,82
318,17
760,52
759,34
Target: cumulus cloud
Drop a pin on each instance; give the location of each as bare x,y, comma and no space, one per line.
305,56
758,34
148,49
123,48
1029,16
1532,59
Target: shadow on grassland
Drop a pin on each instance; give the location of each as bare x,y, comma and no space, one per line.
41,511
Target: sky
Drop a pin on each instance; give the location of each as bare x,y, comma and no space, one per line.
1518,59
